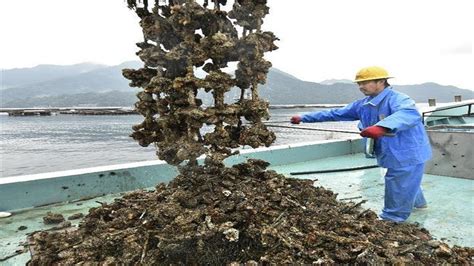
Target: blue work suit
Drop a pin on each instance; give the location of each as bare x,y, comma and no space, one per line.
404,155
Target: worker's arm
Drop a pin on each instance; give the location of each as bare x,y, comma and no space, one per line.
349,112
404,116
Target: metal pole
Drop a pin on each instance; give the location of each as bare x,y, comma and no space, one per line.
335,170
315,129
277,121
327,130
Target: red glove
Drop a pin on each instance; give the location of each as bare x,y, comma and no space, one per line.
296,119
373,132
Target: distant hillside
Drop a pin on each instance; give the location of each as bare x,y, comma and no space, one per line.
21,76
111,98
282,90
92,84
333,81
105,78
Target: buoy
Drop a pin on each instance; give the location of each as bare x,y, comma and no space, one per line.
5,214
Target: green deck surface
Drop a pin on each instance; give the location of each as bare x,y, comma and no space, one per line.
12,238
448,217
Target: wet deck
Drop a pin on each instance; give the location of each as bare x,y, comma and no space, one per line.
449,215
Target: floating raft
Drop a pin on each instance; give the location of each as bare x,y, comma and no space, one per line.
68,111
30,113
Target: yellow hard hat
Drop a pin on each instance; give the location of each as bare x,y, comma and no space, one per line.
371,73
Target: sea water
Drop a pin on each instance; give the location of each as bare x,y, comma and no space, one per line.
38,144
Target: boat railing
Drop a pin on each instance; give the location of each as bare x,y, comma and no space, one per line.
432,113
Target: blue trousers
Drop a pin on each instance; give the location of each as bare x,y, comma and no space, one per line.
402,192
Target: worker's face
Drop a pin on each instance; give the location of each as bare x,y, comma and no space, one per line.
371,87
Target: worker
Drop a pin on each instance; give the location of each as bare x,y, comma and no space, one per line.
387,112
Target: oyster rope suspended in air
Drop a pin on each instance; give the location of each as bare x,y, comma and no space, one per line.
181,37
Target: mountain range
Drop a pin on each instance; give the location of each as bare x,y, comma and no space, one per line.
89,84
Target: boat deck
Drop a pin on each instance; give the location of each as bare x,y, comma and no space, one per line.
448,217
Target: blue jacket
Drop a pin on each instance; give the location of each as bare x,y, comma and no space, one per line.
390,109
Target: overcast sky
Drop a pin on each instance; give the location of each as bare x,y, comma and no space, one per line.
415,40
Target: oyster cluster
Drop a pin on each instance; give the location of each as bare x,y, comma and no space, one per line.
239,215
181,37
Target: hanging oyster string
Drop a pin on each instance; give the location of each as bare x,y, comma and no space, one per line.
179,38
